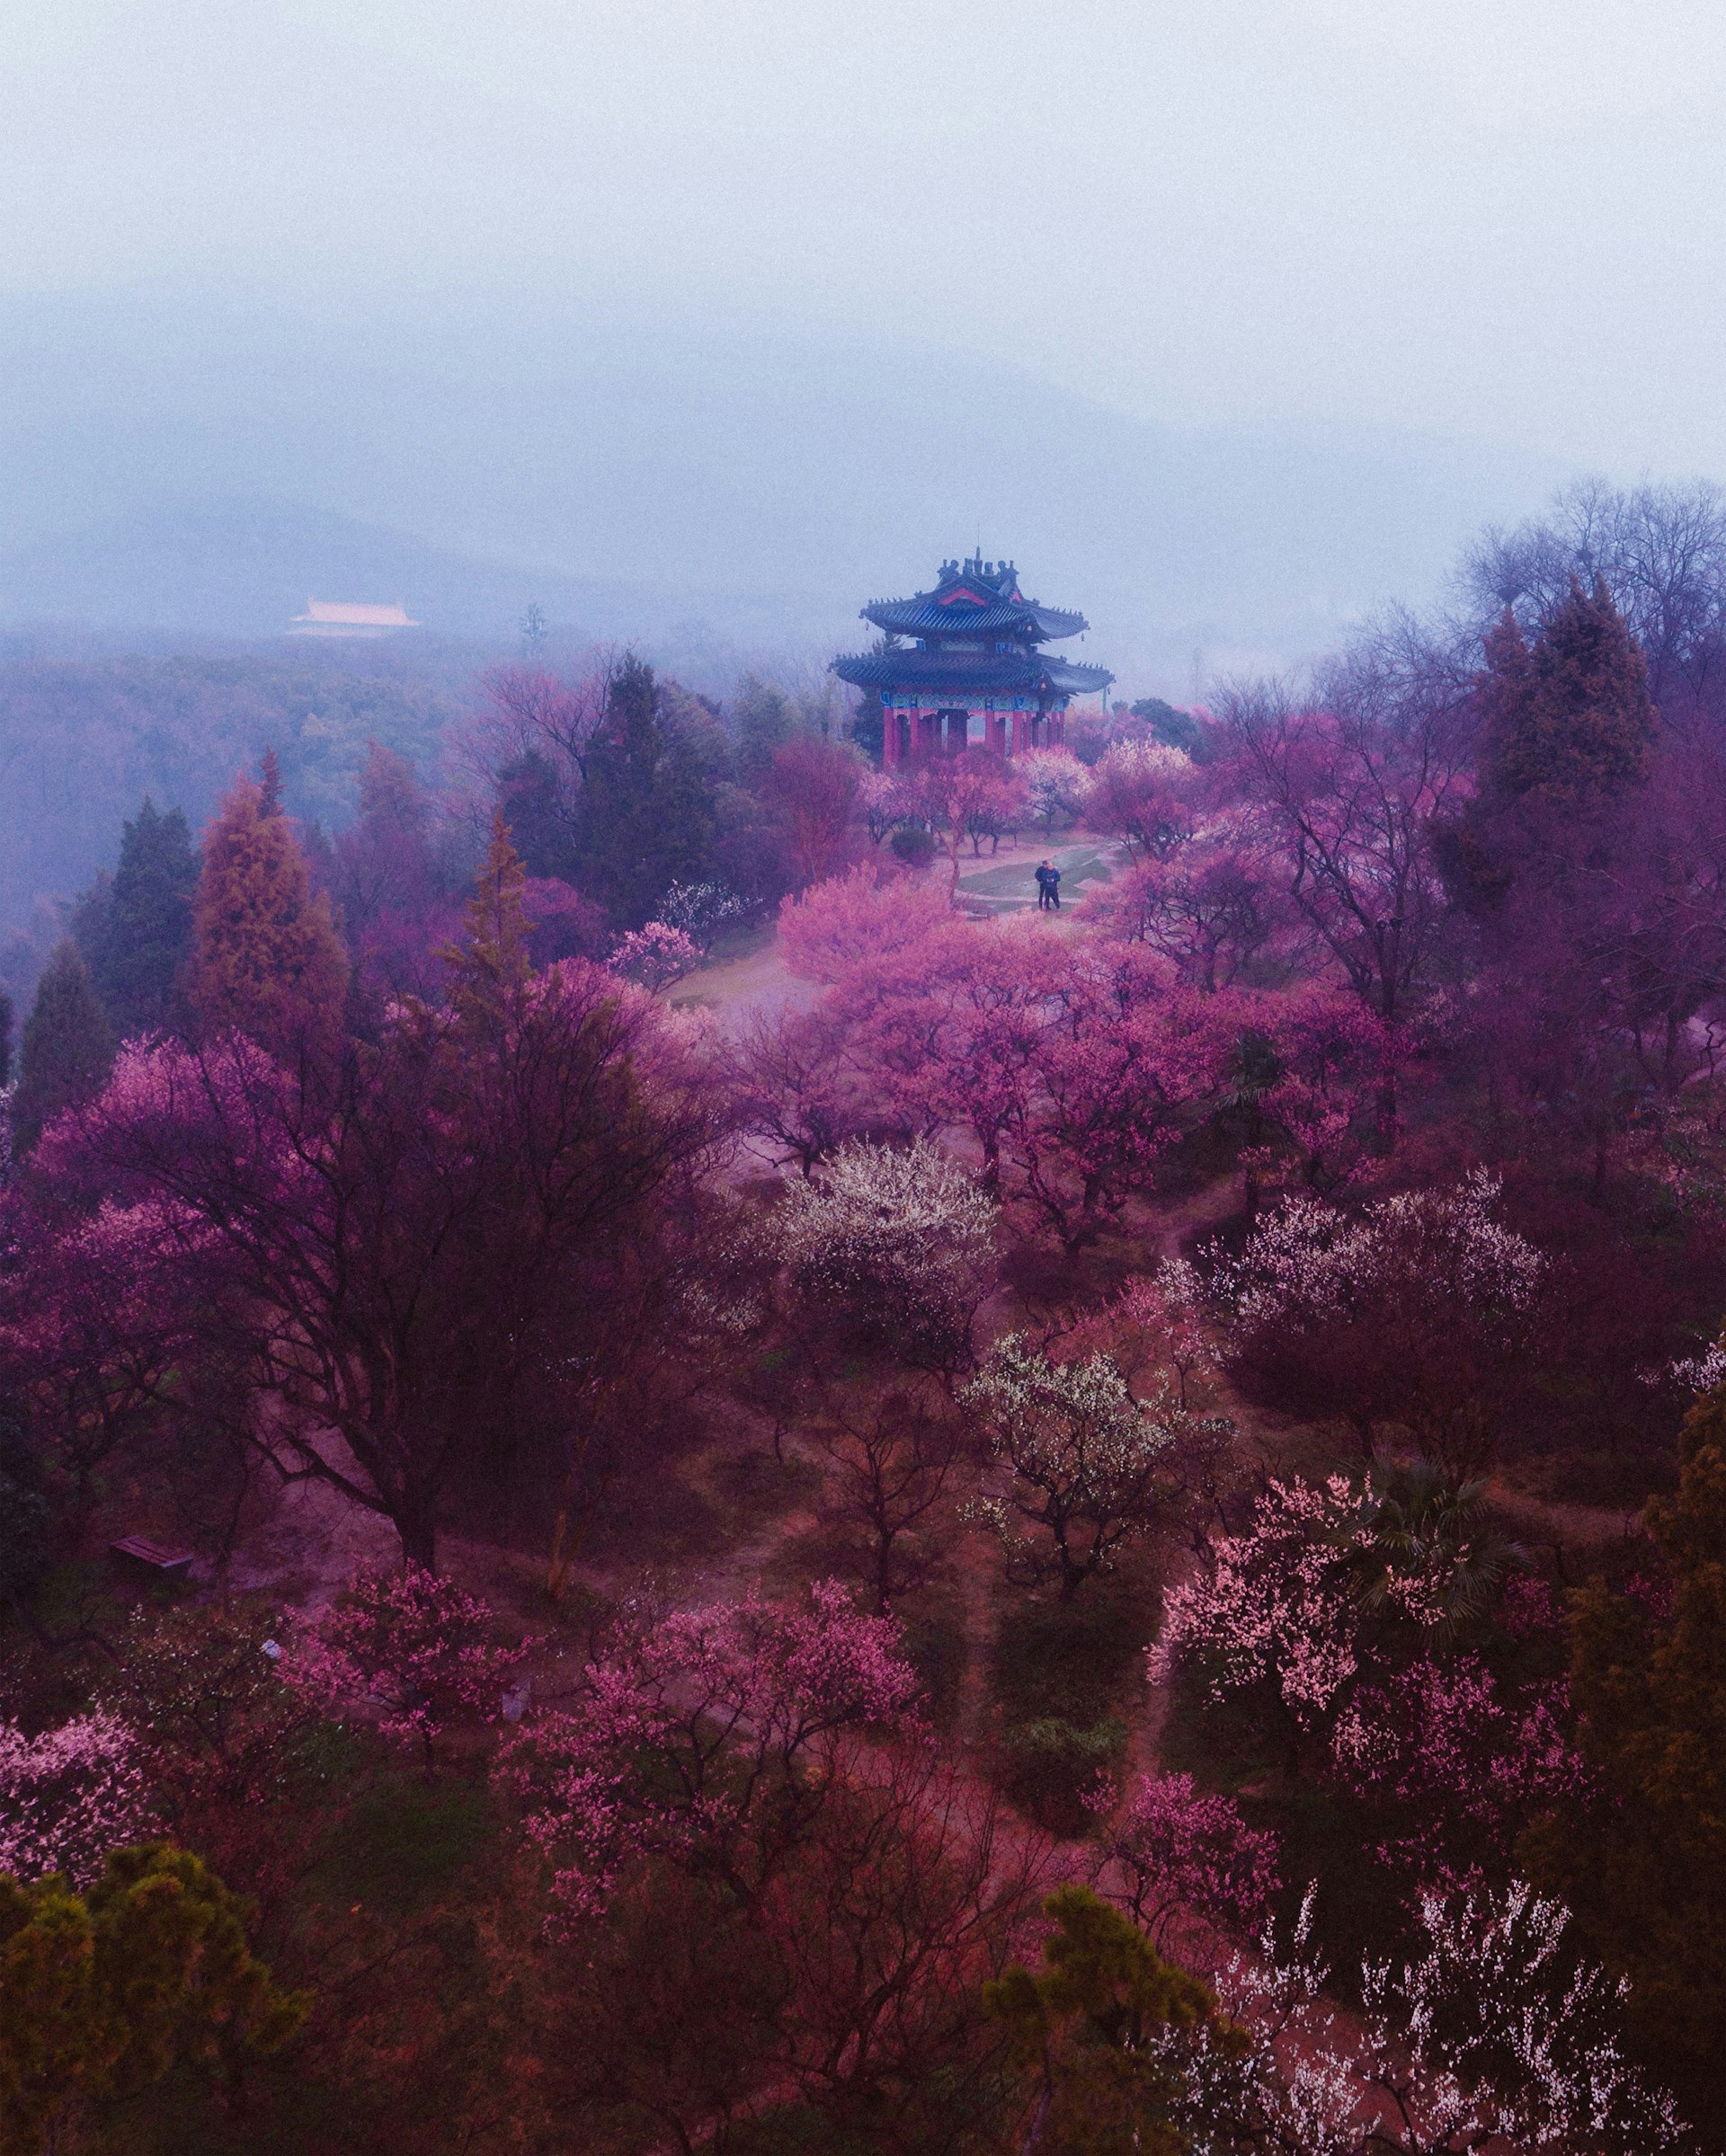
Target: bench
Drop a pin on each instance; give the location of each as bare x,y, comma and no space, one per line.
175,1563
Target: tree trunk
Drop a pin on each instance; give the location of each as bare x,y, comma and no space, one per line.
1387,1115
417,1525
885,1538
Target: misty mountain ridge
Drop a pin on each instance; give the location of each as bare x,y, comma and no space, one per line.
202,468
242,571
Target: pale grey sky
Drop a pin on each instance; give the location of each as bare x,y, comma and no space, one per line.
1504,218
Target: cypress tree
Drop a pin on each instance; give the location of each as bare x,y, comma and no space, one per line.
765,720
531,804
266,956
646,813
67,1048
1570,719
493,956
136,931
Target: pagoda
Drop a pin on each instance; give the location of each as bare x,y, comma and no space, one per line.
964,664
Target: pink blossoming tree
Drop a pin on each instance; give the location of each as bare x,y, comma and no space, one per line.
657,956
1453,1766
1274,1611
416,1644
709,1736
69,1796
1174,1852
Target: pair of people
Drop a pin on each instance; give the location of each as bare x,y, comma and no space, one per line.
1048,887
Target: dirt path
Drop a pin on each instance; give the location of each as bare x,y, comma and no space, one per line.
310,1546
753,980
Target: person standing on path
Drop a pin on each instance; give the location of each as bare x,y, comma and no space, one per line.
1048,887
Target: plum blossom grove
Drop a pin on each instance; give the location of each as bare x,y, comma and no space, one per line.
936,1529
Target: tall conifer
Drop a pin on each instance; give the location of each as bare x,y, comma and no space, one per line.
135,933
493,955
646,816
68,1049
267,958
1570,719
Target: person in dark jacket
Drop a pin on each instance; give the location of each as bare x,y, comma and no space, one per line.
1048,887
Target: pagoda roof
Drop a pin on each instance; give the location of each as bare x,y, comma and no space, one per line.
984,673
974,598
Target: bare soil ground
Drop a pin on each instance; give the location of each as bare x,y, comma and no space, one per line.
754,978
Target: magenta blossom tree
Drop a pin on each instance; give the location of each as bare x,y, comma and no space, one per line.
707,1736
95,1334
1174,1852
1454,1766
69,1796
416,1644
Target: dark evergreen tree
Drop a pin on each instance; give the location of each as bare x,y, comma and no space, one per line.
5,1038
1568,719
136,931
531,801
646,816
1177,729
763,719
1641,1857
869,727
68,1049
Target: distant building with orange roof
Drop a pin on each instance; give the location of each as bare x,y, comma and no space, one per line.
342,618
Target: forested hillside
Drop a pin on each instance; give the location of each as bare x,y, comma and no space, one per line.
707,1448
83,739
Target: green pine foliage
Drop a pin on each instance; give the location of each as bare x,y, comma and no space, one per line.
1569,718
1079,2027
67,1048
646,811
104,1993
135,931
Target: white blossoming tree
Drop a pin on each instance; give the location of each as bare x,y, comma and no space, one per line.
1056,783
1091,1468
895,1243
1421,1313
1492,2034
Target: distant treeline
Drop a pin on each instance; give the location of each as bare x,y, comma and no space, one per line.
82,741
